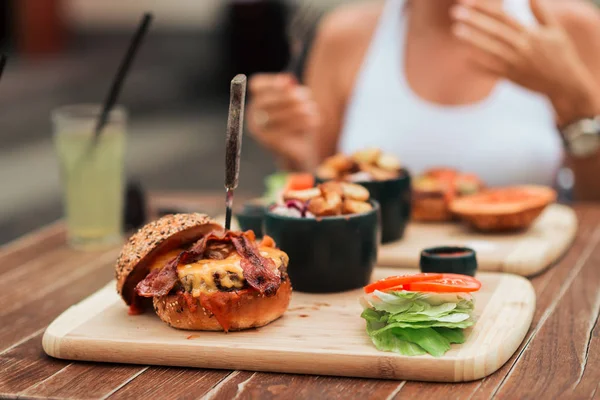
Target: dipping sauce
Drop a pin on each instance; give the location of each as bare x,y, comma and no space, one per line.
452,254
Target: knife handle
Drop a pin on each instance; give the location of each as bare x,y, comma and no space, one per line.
235,125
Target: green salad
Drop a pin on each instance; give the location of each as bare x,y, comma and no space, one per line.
416,321
274,184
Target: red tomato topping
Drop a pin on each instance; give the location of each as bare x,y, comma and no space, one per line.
449,283
428,282
399,281
300,181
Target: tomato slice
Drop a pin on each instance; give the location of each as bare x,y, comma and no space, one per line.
300,181
448,283
400,281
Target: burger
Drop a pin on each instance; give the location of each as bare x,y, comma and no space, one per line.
198,276
436,189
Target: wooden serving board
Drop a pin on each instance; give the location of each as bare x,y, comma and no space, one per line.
523,253
319,334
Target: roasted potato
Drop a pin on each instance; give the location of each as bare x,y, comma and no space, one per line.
353,191
355,207
333,198
377,173
327,172
323,208
368,156
302,195
340,163
388,162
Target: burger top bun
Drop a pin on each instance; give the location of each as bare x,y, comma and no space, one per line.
158,237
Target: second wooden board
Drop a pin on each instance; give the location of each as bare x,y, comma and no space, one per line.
319,334
523,253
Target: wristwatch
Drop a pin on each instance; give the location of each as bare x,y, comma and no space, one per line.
582,137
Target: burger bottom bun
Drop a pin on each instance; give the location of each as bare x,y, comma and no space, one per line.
247,310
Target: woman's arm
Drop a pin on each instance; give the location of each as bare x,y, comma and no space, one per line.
582,22
339,48
560,58
322,80
301,124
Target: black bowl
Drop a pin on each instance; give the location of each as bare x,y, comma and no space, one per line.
394,198
449,259
251,218
329,254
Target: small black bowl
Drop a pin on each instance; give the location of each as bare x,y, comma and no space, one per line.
251,218
449,259
394,198
329,254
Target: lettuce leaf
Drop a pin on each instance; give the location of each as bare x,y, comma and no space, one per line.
274,184
374,316
428,339
453,317
432,298
395,302
414,323
387,341
414,342
455,335
427,324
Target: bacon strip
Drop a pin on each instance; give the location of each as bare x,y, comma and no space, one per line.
159,282
258,270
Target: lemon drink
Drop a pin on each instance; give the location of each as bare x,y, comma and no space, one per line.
92,174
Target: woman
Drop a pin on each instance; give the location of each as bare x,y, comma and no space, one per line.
481,85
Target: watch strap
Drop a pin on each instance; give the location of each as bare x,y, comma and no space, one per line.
575,130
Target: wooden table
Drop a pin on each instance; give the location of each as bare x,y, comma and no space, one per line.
40,277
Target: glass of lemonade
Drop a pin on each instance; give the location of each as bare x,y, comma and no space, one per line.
92,174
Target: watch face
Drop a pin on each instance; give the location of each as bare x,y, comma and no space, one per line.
585,144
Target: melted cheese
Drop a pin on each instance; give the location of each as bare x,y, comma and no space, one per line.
276,255
162,260
200,276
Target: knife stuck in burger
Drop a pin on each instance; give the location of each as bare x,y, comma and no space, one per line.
200,276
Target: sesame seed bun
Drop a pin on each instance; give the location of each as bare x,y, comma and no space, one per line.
248,309
158,237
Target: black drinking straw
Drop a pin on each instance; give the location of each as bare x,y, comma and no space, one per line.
3,59
117,83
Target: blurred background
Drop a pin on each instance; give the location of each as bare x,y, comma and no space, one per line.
67,51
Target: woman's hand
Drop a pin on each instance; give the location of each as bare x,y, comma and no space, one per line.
541,58
283,116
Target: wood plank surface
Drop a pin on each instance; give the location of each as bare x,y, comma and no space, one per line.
182,383
565,360
28,312
23,364
328,328
31,246
259,385
83,381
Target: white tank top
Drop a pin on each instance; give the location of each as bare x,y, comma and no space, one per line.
508,138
